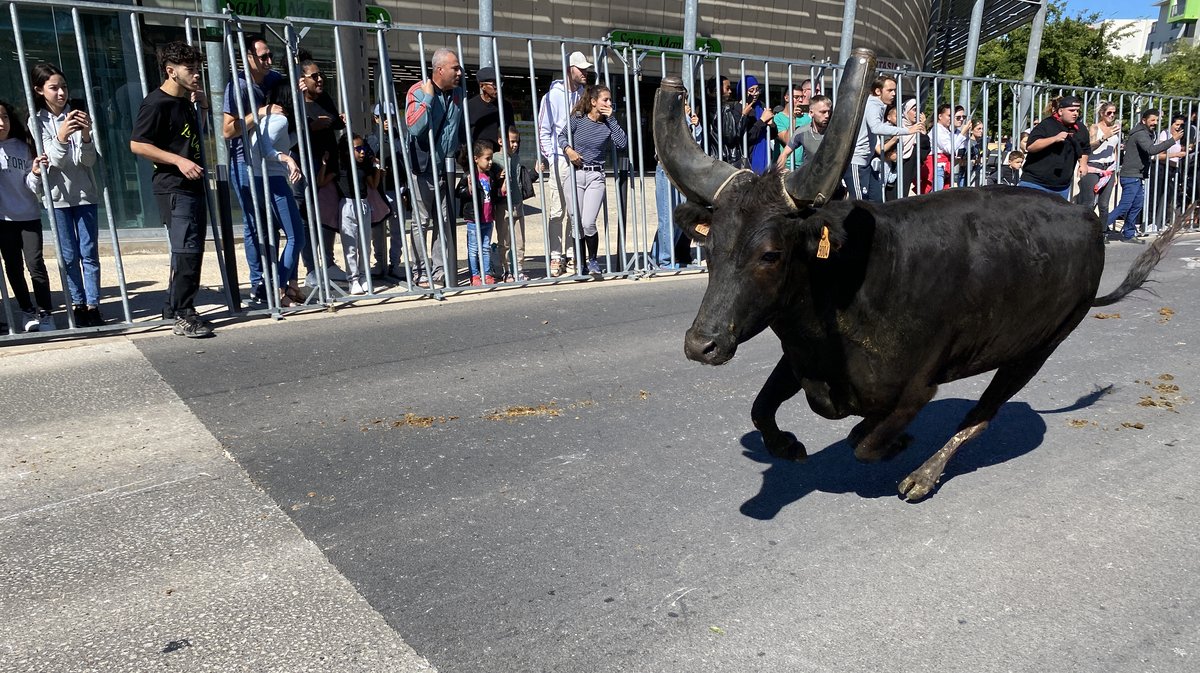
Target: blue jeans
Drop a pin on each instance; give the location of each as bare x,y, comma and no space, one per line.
77,234
474,230
1129,207
666,197
1065,193
287,215
242,183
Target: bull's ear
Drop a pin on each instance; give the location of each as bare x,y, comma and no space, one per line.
694,220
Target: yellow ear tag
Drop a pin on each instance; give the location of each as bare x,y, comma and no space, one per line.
702,229
823,246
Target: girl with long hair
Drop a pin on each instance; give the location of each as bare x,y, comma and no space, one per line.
593,131
21,221
66,133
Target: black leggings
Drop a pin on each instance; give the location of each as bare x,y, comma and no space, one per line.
19,239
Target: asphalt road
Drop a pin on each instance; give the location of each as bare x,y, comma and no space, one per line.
634,522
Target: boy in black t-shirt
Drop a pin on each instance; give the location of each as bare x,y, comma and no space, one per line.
167,132
1057,150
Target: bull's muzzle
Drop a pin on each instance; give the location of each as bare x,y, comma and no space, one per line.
707,349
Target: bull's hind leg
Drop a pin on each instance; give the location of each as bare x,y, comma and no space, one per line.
781,386
1008,380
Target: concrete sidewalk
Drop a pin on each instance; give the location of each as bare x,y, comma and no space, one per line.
133,543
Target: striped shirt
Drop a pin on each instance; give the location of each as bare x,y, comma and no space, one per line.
592,138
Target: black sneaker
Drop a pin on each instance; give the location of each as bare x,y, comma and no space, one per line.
79,312
94,319
258,294
192,326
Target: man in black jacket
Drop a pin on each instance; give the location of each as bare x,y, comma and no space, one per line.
1135,166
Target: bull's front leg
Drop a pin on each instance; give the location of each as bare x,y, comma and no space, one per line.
781,386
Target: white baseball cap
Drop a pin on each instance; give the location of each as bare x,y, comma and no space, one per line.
578,60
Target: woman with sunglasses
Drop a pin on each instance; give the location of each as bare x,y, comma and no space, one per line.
1096,186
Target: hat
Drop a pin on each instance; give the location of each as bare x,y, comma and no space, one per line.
909,104
578,60
391,109
1067,101
485,74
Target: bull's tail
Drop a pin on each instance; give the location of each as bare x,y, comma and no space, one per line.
1145,262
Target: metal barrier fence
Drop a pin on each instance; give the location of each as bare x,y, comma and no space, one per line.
636,237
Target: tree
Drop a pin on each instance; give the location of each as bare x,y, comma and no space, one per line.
1072,53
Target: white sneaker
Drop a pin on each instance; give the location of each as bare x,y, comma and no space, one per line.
30,320
335,274
357,288
311,279
46,322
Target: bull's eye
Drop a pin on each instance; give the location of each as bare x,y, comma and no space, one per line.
771,257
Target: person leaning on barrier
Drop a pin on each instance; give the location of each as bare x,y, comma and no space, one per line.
790,118
593,131
937,166
325,125
271,141
483,111
731,121
807,138
167,133
553,114
1104,137
762,127
21,221
66,132
861,181
387,239
510,227
435,105
666,199
263,79
1058,150
1167,181
1139,150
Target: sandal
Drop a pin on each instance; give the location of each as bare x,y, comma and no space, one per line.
508,278
557,268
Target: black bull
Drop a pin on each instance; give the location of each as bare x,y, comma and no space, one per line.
911,294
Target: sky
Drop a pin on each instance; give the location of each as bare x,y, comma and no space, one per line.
1115,9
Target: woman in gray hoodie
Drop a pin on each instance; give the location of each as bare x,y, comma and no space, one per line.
67,141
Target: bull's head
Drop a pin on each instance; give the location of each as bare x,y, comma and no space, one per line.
755,230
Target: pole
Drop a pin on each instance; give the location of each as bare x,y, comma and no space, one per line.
486,57
689,41
1031,59
848,12
972,52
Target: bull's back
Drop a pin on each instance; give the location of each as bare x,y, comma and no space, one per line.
979,277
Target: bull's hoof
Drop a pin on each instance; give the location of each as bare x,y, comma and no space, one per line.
785,446
869,454
917,485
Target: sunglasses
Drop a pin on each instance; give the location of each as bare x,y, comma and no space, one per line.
316,77
268,56
960,116
1110,113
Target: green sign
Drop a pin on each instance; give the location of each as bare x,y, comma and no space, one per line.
655,41
375,14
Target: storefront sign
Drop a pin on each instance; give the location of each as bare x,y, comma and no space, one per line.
655,41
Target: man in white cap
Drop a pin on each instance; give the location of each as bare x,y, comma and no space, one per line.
553,113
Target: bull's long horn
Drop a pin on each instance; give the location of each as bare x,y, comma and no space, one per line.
815,181
700,177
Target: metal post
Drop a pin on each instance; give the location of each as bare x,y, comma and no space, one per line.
1031,59
487,55
848,11
972,52
689,40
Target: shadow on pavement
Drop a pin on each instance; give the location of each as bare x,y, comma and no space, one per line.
1016,430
